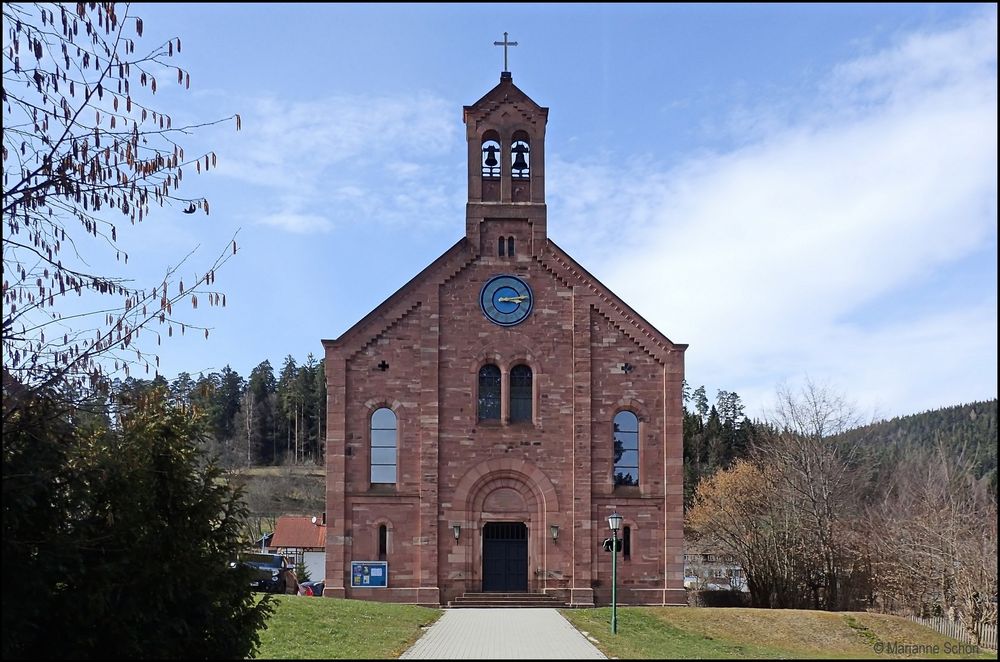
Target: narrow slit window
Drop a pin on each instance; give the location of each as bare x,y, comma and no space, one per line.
627,543
383,446
383,542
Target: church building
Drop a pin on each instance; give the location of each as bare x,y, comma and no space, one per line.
485,419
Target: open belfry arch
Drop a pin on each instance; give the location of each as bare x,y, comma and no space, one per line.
485,419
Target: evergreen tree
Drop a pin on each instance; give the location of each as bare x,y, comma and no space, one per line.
128,529
715,436
181,389
259,415
306,390
701,403
227,404
289,403
715,440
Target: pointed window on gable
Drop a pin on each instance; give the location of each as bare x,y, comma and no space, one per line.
489,393
383,446
626,448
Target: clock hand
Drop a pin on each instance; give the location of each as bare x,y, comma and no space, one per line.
517,299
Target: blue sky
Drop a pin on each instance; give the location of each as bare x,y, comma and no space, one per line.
795,191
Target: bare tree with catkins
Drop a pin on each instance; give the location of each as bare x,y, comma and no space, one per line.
84,151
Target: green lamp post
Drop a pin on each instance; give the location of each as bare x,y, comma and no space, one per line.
615,522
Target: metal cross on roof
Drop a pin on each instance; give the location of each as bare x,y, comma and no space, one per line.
505,44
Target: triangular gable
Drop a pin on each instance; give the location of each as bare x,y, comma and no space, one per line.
609,304
505,93
559,263
401,302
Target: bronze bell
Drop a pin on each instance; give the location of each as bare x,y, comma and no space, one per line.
519,163
491,156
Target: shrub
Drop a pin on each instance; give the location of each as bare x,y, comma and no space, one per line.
117,538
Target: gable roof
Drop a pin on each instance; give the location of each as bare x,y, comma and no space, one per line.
610,304
398,304
553,259
505,93
298,532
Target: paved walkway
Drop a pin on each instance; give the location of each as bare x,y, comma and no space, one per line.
490,634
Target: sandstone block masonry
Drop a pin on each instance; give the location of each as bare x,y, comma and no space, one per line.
503,483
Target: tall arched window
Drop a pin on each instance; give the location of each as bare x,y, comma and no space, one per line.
489,392
510,246
501,245
626,448
383,446
520,393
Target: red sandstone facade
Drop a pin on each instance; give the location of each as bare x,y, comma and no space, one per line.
419,354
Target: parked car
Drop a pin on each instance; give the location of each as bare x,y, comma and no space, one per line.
271,572
312,588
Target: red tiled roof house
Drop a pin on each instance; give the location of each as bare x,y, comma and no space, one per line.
302,540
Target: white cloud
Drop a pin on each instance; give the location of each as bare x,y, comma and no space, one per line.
298,223
763,257
350,157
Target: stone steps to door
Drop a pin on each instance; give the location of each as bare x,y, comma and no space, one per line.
508,600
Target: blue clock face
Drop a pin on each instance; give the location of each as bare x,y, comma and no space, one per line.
506,300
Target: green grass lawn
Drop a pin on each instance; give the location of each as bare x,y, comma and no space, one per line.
325,628
678,632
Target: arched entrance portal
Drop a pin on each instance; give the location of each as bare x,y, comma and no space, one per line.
505,557
509,504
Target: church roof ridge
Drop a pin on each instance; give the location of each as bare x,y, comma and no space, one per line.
504,92
623,310
397,298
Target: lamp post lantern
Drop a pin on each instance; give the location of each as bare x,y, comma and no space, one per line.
615,522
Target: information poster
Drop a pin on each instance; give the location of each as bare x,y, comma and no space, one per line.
369,574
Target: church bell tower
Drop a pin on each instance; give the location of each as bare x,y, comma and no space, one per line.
505,131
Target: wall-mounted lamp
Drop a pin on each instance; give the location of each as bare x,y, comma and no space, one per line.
457,528
554,530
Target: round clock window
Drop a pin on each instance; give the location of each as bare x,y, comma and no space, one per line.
506,300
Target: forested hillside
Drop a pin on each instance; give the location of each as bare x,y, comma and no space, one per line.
966,433
716,435
262,420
